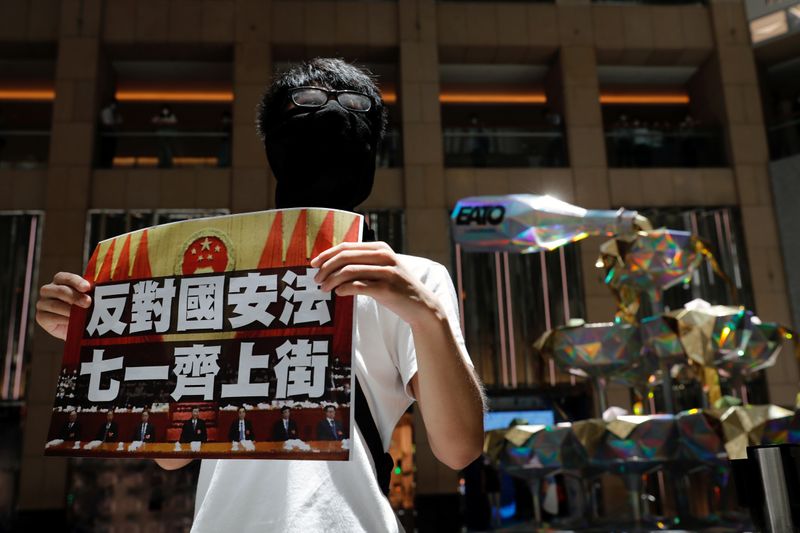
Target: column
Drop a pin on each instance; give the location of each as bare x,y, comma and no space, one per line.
734,67
427,221
583,121
251,180
69,174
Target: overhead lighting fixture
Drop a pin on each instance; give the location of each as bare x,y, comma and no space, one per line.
27,95
493,98
644,98
152,161
194,96
173,96
541,98
389,97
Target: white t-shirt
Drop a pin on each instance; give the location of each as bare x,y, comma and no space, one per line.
252,495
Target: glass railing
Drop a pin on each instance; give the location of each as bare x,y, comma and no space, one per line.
504,147
651,2
23,149
513,1
645,147
164,149
784,139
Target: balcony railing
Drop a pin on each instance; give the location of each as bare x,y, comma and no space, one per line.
24,148
651,2
514,1
647,147
164,149
784,139
504,147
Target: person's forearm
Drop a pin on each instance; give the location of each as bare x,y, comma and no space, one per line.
449,395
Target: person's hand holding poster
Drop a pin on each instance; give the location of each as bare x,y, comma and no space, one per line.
210,338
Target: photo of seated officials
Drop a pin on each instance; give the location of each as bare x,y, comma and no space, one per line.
194,429
329,428
144,430
241,428
71,430
285,428
108,432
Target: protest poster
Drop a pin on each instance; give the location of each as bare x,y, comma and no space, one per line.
209,338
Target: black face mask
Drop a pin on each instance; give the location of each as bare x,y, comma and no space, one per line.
322,157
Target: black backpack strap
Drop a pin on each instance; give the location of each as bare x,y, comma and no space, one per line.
366,423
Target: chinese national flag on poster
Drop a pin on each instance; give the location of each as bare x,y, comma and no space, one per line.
210,338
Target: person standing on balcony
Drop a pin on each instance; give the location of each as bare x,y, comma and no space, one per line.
553,152
226,128
479,141
623,140
166,124
689,142
110,120
641,143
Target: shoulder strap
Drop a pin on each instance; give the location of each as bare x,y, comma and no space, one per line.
366,423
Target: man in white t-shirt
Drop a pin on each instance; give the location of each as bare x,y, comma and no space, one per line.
321,123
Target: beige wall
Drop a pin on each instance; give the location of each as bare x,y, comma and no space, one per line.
572,36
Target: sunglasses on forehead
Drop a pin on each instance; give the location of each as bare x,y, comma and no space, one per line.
318,97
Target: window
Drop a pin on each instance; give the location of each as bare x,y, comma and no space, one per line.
26,111
499,116
388,225
508,301
19,240
172,112
653,117
721,230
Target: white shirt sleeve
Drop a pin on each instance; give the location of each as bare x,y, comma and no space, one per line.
439,282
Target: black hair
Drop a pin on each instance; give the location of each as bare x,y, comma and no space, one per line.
241,407
329,406
285,408
333,72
